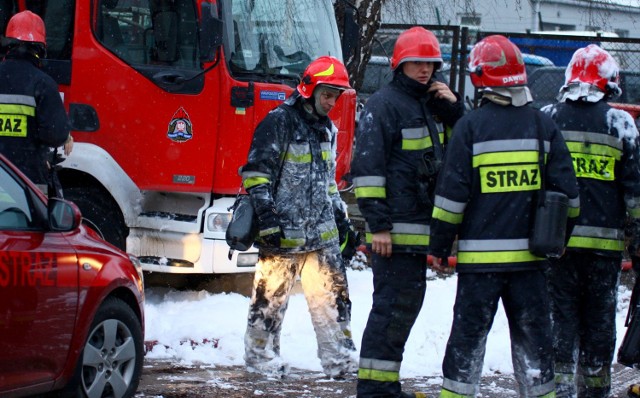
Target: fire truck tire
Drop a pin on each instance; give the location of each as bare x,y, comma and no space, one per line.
101,213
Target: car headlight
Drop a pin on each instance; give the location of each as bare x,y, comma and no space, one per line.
138,266
218,222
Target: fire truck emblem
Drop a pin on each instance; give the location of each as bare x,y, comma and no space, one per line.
180,128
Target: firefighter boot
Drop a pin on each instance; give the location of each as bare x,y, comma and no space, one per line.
633,391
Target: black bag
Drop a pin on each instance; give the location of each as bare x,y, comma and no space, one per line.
243,228
549,228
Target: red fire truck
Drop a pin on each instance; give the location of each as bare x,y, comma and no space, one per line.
163,97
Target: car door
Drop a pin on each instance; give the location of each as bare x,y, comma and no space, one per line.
38,288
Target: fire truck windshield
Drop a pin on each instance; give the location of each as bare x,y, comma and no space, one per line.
278,39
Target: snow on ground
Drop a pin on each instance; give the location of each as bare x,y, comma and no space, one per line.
198,327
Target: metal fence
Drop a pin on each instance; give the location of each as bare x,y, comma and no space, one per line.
546,57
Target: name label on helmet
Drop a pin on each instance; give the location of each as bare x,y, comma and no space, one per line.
593,166
517,79
510,178
13,126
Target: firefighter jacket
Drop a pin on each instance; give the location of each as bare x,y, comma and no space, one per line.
32,116
486,191
393,141
604,144
290,171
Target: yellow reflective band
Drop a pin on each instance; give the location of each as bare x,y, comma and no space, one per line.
326,72
510,178
515,256
573,212
11,110
416,144
403,239
450,394
325,155
596,243
290,243
293,158
596,381
269,231
447,216
371,192
505,157
253,181
551,394
343,245
594,166
333,188
593,149
13,126
635,212
328,235
378,375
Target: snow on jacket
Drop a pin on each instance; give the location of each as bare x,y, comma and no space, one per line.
32,117
604,144
392,139
291,168
488,185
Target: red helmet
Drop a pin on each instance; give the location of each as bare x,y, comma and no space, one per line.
595,66
325,70
26,26
496,62
416,44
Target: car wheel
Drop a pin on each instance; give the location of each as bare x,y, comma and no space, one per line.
100,213
113,355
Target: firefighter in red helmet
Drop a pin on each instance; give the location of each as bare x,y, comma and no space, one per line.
584,282
401,138
290,177
33,115
485,196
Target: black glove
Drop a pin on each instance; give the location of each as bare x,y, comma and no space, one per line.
350,245
269,225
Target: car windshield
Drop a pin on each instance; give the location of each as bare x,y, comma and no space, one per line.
280,38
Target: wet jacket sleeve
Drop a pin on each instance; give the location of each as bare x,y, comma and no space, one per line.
560,175
453,190
449,113
629,175
53,124
260,172
368,167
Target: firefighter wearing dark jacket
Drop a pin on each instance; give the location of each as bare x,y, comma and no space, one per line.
399,142
484,195
290,176
33,118
605,148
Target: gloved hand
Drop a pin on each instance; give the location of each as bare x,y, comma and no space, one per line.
350,245
269,225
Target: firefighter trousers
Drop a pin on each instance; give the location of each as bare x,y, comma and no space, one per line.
321,277
526,306
399,286
583,289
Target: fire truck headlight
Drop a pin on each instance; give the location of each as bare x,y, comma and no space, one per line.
218,222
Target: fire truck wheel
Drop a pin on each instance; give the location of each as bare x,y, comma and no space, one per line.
100,212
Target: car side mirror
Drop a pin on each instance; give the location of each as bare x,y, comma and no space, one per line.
211,28
64,216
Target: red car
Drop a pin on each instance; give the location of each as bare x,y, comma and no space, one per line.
71,305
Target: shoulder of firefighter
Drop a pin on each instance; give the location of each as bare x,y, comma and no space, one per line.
394,166
488,183
604,145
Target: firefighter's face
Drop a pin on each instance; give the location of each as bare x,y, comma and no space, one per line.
325,99
418,70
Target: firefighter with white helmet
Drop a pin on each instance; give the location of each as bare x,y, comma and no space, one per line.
400,142
485,197
290,176
33,116
605,148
